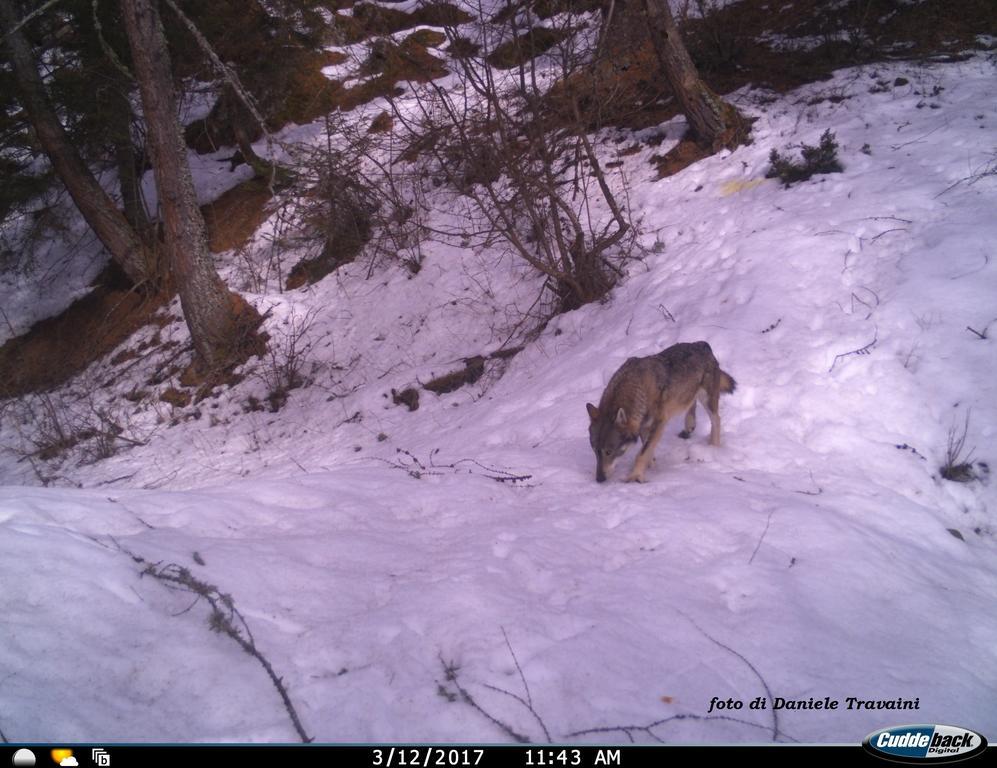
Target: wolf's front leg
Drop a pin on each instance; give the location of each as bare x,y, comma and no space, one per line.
646,455
633,477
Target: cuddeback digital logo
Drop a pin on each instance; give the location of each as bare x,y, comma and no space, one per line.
925,743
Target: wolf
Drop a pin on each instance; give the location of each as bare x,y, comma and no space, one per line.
645,393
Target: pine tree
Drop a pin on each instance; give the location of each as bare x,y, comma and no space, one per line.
219,320
120,239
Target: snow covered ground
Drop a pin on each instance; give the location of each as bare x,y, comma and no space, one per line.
370,549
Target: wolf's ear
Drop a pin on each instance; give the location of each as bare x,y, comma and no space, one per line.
593,411
621,418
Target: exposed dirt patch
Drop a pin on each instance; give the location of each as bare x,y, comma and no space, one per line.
60,347
629,94
341,215
428,38
309,94
681,156
234,217
335,57
526,46
474,369
688,151
462,48
297,92
387,65
408,397
178,398
382,123
57,348
370,20
310,271
545,9
279,57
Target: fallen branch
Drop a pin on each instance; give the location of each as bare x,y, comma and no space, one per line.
648,729
492,473
225,618
761,538
528,701
818,492
861,351
981,334
450,670
776,733
411,465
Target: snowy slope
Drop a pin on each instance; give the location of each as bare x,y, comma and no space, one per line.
809,556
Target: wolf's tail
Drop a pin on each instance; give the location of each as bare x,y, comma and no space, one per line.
727,383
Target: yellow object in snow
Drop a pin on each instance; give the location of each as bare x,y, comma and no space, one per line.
734,186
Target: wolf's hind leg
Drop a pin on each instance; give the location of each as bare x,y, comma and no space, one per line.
711,401
690,422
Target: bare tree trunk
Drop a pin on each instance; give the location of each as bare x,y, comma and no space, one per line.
714,122
96,207
127,162
219,321
232,111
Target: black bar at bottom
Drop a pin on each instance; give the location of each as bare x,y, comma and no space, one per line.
110,755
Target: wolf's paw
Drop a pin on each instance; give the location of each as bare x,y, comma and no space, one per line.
685,434
635,478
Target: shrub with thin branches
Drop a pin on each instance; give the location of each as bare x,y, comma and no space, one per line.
534,182
959,466
283,366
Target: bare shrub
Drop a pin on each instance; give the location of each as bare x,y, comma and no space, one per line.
400,222
51,426
535,183
983,170
347,199
105,431
339,210
959,466
264,263
283,366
